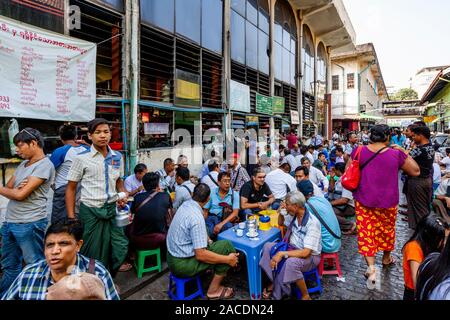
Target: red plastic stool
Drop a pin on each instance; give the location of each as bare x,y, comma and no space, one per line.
332,260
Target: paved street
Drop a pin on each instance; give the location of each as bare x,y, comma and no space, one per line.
353,266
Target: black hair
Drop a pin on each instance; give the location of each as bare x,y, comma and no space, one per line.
257,170
303,150
305,159
168,161
92,125
340,149
420,123
311,147
287,166
183,173
320,154
435,272
379,133
350,134
340,167
281,147
319,146
73,227
304,169
213,153
140,168
447,151
429,233
201,193
28,135
212,166
67,132
223,174
287,152
150,181
423,131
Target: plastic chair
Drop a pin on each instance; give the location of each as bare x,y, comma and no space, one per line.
332,260
141,257
312,275
179,284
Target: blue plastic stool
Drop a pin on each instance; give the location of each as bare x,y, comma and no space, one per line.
179,285
312,275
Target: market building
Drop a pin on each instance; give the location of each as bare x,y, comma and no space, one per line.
358,88
437,102
196,65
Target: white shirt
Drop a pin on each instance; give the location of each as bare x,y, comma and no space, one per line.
207,180
310,157
280,182
317,191
340,159
132,183
442,190
436,173
292,162
446,161
299,160
182,194
341,192
316,176
63,170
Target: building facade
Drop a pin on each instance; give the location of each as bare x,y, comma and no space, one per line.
436,100
174,64
358,89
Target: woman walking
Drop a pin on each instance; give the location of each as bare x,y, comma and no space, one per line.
376,198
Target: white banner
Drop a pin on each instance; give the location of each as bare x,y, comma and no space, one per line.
45,75
239,97
295,118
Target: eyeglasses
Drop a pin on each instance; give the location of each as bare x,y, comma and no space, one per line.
28,132
442,223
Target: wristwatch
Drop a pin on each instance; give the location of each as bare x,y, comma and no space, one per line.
286,255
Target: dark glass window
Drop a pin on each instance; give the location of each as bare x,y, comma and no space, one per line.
252,11
286,39
278,61
335,80
116,4
293,64
308,61
350,81
286,65
212,11
188,18
263,58
251,44
159,13
237,37
239,6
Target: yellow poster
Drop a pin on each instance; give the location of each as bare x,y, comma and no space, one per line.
187,90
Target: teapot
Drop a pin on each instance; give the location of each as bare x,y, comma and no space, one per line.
123,216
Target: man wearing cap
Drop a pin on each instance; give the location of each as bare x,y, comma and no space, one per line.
47,279
239,175
322,210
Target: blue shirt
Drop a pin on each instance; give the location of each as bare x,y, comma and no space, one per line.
232,198
398,141
329,243
187,231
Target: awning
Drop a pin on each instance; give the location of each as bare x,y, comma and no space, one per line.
367,116
354,117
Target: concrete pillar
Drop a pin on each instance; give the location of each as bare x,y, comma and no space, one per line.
300,70
226,126
316,102
272,62
329,121
134,81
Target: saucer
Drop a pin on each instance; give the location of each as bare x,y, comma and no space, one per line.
250,236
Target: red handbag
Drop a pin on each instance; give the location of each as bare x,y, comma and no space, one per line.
350,179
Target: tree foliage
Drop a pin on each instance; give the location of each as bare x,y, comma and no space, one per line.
406,94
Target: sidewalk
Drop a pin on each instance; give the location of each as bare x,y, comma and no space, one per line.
154,287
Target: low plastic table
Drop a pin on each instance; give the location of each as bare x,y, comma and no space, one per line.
252,250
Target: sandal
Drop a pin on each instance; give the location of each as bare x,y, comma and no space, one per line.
392,262
267,294
125,267
371,276
352,231
223,295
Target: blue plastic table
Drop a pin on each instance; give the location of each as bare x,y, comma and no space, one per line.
252,250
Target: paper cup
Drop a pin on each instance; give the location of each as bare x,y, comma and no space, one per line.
239,232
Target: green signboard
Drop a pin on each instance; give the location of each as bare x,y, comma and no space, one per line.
263,104
277,105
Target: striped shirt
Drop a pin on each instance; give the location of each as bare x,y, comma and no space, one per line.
187,231
166,182
239,177
307,235
32,283
182,194
98,176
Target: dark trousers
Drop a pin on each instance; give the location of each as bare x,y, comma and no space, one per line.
408,294
419,193
342,214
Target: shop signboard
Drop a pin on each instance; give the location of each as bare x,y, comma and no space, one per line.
45,75
295,119
239,97
278,104
264,104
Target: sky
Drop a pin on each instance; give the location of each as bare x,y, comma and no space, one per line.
408,34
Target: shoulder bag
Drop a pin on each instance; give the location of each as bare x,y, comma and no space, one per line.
352,176
317,215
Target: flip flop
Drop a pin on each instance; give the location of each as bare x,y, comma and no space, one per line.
392,262
222,294
125,267
267,294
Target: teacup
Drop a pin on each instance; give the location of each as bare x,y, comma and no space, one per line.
242,225
239,232
252,233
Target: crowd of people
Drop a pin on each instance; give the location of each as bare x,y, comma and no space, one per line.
183,215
